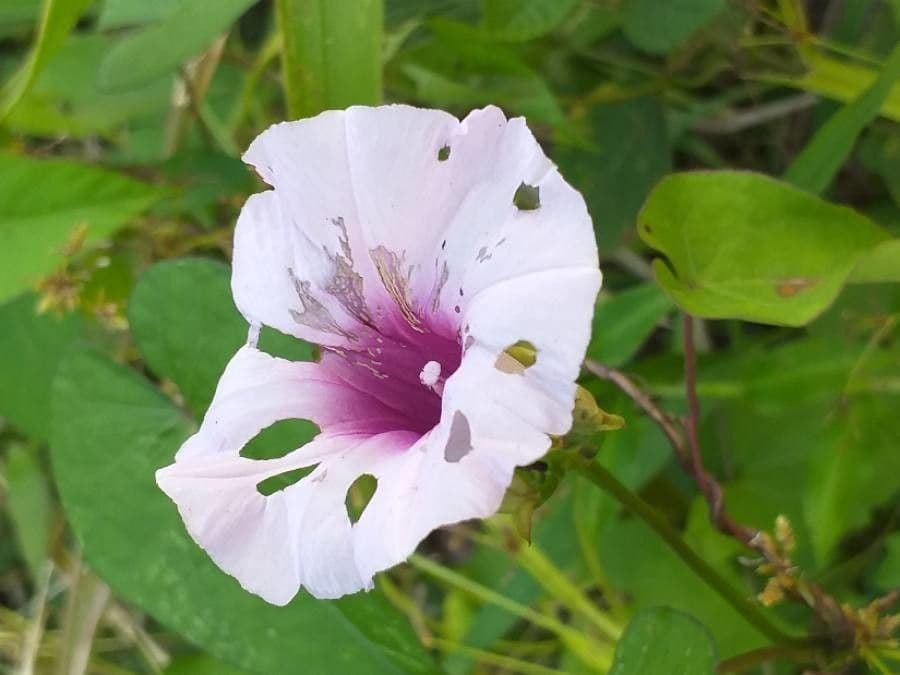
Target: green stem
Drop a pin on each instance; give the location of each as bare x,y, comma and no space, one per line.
589,652
555,582
509,663
603,479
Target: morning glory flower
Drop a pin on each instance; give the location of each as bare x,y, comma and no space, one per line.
416,250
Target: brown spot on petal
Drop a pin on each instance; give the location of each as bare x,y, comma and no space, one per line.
459,441
396,284
788,288
313,313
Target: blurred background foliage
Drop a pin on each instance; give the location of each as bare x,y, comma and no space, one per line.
121,125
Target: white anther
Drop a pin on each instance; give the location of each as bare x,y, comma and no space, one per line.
431,373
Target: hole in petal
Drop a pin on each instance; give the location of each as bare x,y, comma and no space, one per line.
280,439
527,197
359,494
459,441
279,482
444,153
276,343
517,358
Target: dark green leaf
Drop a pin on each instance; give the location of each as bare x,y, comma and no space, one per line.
111,432
741,245
31,347
854,474
186,325
660,27
44,202
628,153
518,20
661,641
623,323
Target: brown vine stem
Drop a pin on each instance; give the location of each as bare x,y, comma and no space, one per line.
683,436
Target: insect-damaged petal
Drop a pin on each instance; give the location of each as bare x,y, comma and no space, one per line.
394,239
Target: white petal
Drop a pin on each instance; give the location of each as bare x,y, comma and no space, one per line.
299,536
256,390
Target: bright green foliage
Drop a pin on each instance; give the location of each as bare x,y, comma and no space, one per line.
624,322
112,432
45,203
31,347
815,167
741,245
331,53
661,641
162,46
524,20
660,27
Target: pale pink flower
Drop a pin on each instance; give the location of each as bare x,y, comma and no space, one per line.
391,238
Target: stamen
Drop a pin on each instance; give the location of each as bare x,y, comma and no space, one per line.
431,374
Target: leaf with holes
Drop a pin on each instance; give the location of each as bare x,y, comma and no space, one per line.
111,432
744,246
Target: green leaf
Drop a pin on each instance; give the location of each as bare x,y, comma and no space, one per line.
742,245
520,20
879,265
331,55
199,664
58,17
628,152
623,323
837,79
111,432
30,505
122,13
854,474
18,16
44,202
31,348
162,47
65,98
816,166
887,575
661,641
660,27
186,325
